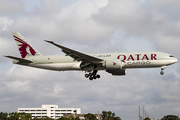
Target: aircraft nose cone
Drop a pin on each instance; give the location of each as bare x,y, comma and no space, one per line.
174,60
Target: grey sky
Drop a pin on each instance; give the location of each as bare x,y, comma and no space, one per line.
92,26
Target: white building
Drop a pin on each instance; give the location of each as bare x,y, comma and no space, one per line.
51,111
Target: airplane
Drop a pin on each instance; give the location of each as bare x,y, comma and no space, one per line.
113,63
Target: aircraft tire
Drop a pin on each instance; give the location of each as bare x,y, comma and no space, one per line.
91,77
162,73
86,75
98,76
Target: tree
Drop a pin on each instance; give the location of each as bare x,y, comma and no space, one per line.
147,118
104,115
69,118
44,118
89,116
170,117
35,118
3,116
77,118
117,118
16,116
11,116
108,115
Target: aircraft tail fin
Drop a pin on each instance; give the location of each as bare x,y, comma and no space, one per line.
25,49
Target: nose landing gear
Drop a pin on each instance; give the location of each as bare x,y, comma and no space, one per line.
162,68
162,73
92,75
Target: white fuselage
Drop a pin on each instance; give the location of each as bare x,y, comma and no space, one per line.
129,60
113,63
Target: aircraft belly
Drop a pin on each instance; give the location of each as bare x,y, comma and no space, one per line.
58,66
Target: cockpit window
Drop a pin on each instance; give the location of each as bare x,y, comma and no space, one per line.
171,56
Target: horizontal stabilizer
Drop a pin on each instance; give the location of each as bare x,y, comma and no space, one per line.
20,59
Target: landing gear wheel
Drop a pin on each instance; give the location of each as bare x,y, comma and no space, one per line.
162,68
92,75
86,75
97,76
162,73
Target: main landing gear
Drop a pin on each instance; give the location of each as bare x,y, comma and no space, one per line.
92,75
162,68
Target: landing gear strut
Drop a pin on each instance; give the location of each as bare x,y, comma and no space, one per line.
92,75
162,68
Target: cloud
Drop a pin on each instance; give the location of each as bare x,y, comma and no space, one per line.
74,19
9,7
4,23
166,3
166,42
118,15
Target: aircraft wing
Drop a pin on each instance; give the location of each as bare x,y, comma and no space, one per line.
76,55
20,59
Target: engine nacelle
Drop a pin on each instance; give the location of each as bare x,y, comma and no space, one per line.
114,67
115,64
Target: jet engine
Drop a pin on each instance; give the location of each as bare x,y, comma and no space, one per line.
114,67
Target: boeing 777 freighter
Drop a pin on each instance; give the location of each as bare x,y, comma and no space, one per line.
114,63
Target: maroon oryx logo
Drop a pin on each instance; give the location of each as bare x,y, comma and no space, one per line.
24,48
114,63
